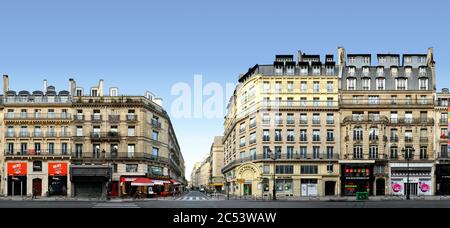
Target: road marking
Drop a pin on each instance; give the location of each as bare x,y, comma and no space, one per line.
115,205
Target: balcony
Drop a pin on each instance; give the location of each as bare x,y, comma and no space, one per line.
394,139
50,134
114,118
24,134
423,139
290,122
303,138
290,138
131,118
386,102
316,138
296,104
30,99
38,134
36,153
373,138
156,124
408,139
370,156
266,138
444,137
412,121
283,157
105,136
443,155
37,116
330,121
357,138
64,134
330,139
96,118
252,141
118,156
78,118
278,139
365,119
443,121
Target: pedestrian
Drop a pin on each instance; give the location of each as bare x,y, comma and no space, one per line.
33,194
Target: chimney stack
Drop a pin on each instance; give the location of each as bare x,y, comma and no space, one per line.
72,86
5,84
100,88
341,56
45,86
300,57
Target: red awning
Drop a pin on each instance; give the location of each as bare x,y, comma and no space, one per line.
142,182
175,182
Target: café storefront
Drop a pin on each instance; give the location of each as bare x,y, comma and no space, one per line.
17,178
357,177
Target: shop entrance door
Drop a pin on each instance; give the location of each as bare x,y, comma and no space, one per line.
37,186
330,188
247,189
412,188
381,187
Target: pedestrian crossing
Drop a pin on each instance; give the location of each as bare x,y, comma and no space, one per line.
193,198
115,205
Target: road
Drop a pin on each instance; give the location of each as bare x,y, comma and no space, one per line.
200,200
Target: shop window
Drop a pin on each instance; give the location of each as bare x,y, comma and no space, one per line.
37,166
131,168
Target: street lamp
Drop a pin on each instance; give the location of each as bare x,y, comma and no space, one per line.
274,190
407,154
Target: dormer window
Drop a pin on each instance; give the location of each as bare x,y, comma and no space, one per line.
113,92
290,70
366,60
423,84
380,72
366,71
278,70
351,71
316,70
94,92
304,70
79,92
394,72
351,84
351,60
408,60
330,70
366,84
382,60
380,83
422,72
408,72
401,84
423,59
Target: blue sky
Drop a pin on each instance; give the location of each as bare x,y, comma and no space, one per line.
141,45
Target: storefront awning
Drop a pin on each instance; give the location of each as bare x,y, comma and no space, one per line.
160,182
142,182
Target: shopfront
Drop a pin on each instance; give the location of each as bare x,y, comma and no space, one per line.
443,179
420,179
309,187
17,178
357,177
57,178
90,180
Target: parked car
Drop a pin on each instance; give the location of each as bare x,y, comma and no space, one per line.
202,189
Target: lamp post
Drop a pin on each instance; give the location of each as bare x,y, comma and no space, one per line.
274,190
407,153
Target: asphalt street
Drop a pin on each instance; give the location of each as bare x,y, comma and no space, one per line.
200,200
